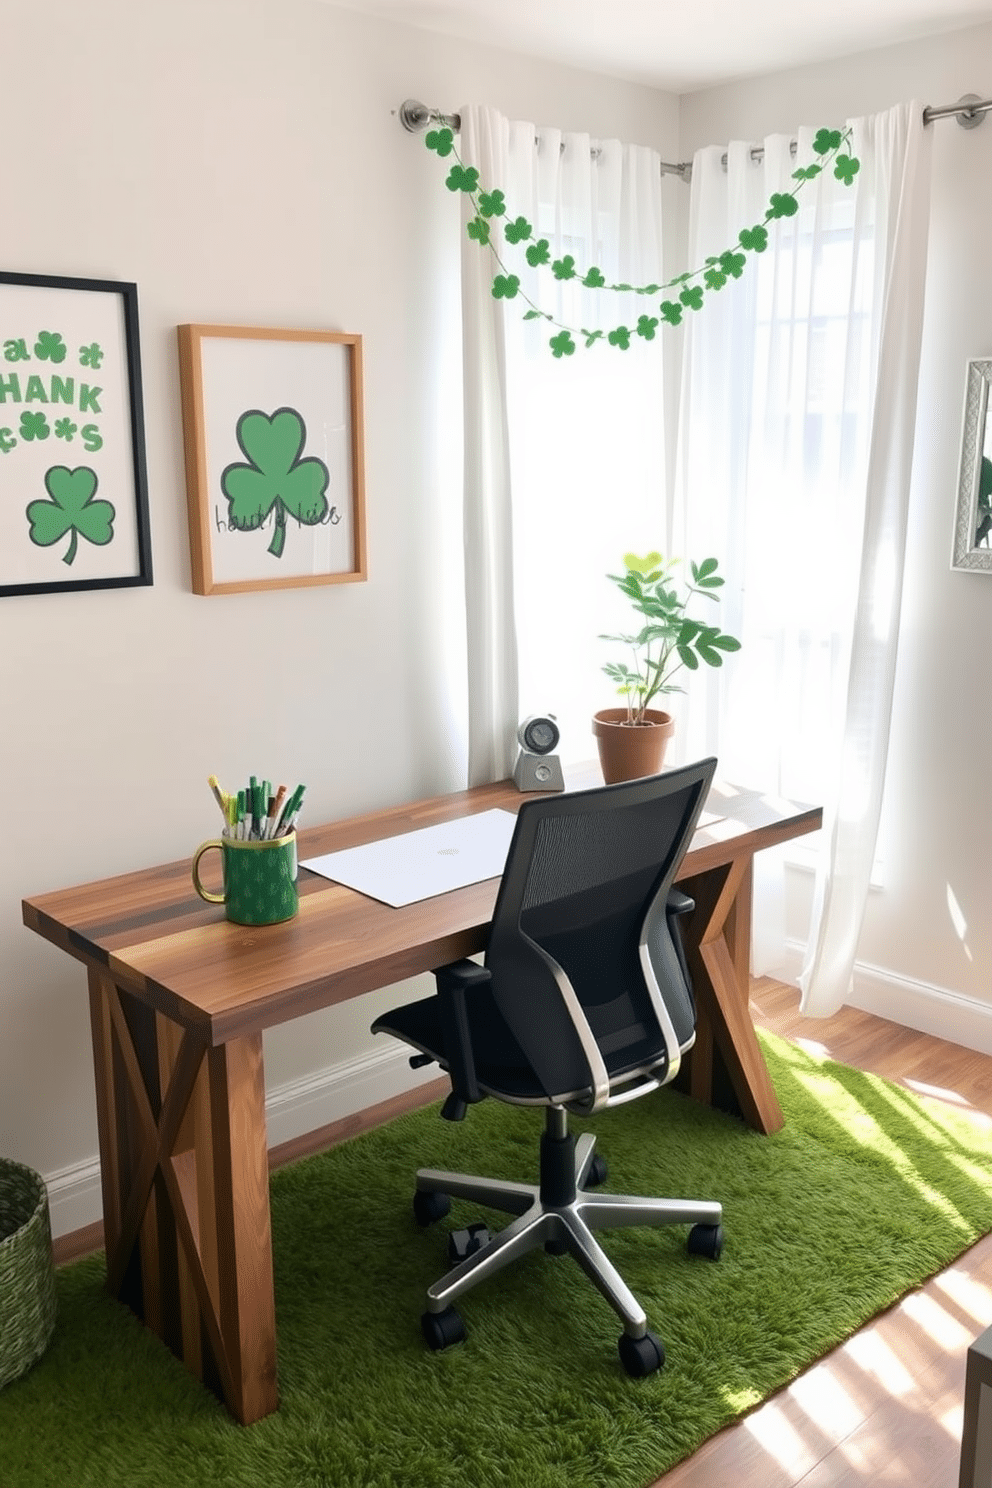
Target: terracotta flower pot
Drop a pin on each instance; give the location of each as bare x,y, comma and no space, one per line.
629,750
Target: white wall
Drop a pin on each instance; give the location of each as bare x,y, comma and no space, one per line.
926,951
240,161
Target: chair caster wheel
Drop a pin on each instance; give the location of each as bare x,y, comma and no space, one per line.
441,1329
428,1208
705,1240
463,1243
641,1356
598,1172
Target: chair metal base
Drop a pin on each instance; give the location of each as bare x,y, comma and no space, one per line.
570,1224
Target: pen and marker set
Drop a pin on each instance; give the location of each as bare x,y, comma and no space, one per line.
258,814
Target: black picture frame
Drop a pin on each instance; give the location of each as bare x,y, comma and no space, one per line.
69,352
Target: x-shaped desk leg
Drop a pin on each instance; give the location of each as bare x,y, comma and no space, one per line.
184,1169
718,945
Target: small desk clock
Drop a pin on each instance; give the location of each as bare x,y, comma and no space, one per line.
537,769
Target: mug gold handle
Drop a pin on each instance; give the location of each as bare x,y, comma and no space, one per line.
205,893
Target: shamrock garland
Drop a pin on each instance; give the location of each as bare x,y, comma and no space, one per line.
832,145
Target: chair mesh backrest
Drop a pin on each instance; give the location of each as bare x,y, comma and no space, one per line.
582,874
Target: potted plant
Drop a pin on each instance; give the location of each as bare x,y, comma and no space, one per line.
632,739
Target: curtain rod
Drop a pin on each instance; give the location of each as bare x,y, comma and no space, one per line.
970,110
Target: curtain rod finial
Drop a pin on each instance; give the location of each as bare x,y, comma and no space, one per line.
970,118
414,116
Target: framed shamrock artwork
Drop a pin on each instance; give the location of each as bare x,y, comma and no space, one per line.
274,457
73,489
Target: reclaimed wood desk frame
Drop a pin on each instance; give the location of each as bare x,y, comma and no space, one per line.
179,999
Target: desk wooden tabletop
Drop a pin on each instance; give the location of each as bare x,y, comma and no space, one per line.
157,939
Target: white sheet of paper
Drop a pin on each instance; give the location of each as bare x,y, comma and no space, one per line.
431,860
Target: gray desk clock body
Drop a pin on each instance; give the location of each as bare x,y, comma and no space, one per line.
537,768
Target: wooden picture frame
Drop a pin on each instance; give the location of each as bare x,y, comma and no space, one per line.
275,473
73,484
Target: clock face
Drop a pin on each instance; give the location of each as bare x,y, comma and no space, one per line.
540,735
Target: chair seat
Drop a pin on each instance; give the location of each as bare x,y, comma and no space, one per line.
500,1064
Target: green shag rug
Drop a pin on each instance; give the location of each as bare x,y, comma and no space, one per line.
863,1195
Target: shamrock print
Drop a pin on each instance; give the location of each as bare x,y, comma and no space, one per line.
50,347
276,481
92,355
64,429
71,508
34,426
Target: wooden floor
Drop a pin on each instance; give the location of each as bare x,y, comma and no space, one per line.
885,1407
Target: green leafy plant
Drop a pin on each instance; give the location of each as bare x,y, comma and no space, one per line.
831,146
668,639
276,482
71,509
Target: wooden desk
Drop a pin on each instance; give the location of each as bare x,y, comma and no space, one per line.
179,999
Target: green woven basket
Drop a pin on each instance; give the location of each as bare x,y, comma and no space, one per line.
27,1271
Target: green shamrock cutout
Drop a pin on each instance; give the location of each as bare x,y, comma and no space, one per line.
539,253
518,231
505,286
594,279
827,140
807,173
846,168
671,312
782,204
492,204
478,229
714,278
620,337
564,268
71,509
692,298
441,140
562,345
755,238
50,347
276,480
647,325
462,178
733,264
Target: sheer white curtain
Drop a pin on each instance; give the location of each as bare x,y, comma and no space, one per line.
796,437
564,458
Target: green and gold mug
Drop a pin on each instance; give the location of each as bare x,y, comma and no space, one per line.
259,879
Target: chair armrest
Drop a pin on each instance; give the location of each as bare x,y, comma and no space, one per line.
678,903
453,982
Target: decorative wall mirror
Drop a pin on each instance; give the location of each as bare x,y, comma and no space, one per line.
973,521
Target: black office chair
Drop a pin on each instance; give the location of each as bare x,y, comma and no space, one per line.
584,1002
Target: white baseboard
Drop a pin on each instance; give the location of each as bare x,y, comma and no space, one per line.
299,1106
914,1004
